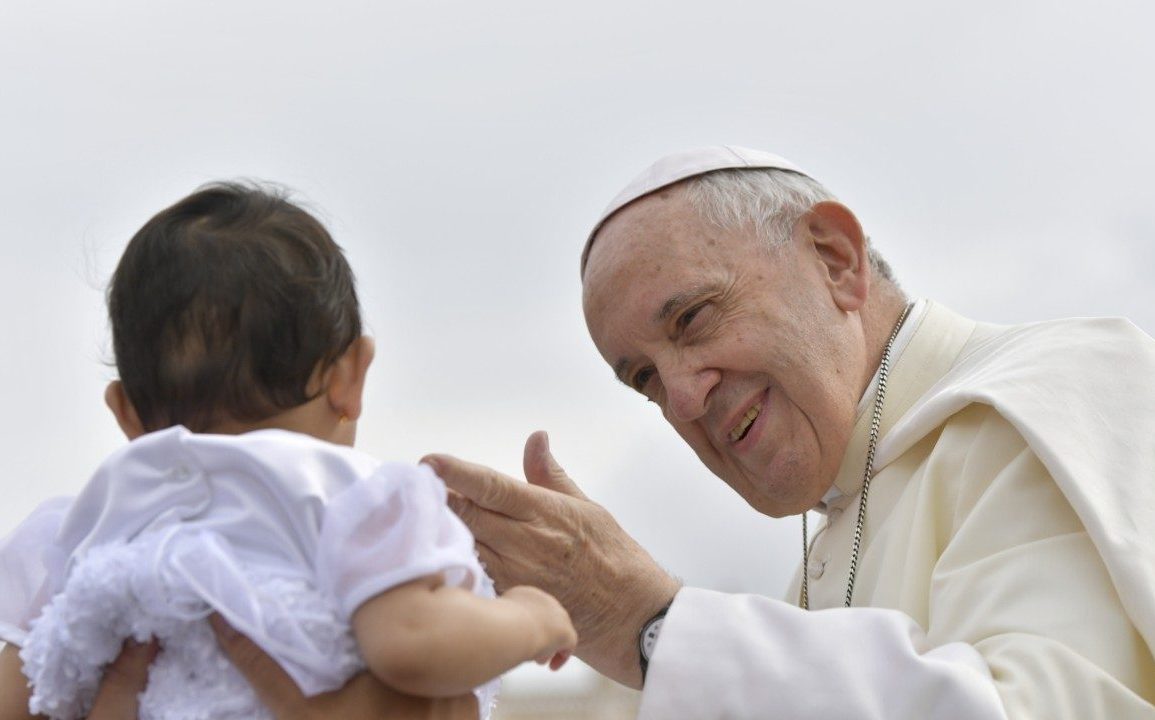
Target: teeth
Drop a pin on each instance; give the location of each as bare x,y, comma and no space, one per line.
745,423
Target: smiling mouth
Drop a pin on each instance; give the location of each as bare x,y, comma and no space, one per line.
744,424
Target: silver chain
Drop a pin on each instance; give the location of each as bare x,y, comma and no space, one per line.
867,474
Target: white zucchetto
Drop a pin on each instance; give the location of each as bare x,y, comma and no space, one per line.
681,165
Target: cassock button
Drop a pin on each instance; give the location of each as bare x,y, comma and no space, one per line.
818,567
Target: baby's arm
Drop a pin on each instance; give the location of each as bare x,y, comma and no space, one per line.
14,692
432,639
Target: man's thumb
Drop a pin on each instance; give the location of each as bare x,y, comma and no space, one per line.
542,470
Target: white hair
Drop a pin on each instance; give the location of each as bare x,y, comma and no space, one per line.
769,199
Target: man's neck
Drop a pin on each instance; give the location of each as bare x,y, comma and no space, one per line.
881,312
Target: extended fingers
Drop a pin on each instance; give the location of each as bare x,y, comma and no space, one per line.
481,522
496,567
487,527
484,486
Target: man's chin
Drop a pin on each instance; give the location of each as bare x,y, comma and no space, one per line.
774,506
777,509
779,502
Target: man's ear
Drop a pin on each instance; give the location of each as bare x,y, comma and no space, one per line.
347,378
842,248
123,410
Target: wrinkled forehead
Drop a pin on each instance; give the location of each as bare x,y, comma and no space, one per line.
637,242
655,249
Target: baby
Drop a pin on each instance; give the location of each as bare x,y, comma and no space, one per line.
238,343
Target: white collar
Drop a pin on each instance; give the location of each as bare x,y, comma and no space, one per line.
905,333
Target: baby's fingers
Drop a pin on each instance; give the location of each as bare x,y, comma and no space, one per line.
559,658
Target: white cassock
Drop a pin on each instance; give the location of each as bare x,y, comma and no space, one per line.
1008,565
282,534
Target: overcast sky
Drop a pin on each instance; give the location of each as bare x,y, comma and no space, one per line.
1000,154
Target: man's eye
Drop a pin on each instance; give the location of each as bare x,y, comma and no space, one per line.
687,317
642,378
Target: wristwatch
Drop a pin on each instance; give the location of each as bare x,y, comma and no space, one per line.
648,639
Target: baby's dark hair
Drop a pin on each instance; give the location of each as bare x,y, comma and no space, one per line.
226,305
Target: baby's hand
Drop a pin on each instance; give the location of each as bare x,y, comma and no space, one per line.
558,637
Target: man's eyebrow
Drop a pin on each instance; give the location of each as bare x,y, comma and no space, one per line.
620,370
678,300
664,312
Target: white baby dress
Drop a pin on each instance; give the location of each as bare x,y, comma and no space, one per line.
283,534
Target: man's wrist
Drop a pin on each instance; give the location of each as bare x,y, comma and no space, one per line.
661,596
610,643
648,639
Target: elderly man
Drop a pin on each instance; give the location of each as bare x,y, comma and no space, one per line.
988,492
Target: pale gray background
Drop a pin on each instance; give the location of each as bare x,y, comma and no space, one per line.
999,153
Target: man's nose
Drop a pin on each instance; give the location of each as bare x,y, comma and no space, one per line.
688,391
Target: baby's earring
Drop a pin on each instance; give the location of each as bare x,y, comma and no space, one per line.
343,419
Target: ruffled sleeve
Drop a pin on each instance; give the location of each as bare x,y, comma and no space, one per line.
29,568
389,528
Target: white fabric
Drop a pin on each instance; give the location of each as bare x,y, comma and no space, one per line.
758,658
1005,571
1082,394
866,402
25,558
283,534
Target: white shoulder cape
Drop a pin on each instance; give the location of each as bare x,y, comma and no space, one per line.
1082,394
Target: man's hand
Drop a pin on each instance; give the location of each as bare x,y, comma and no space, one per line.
116,699
362,697
123,681
550,535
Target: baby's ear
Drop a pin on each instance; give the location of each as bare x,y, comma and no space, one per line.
123,410
347,377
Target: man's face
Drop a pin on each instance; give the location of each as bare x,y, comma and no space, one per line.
745,348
